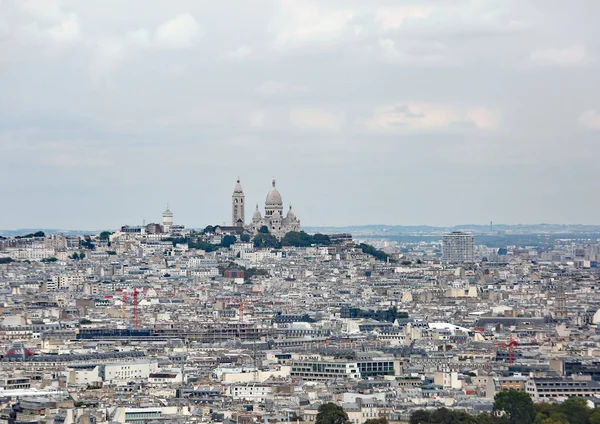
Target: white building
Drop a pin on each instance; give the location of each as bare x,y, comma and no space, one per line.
278,224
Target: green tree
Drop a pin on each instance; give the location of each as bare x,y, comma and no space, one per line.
209,229
576,410
227,241
420,416
48,260
302,239
485,418
447,416
5,260
382,420
244,238
82,255
104,235
557,418
330,413
595,417
517,406
263,230
262,240
75,256
380,255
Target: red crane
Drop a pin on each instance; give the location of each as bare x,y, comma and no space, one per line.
135,308
511,348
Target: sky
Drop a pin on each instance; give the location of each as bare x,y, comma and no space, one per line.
435,112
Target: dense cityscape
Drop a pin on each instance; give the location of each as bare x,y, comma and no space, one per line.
259,321
299,211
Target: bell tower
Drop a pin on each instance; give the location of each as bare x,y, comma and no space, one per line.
237,206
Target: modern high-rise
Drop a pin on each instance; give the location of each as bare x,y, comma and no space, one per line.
457,247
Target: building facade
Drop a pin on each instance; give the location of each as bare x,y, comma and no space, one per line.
273,219
458,247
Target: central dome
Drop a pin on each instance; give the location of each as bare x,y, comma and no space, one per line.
273,198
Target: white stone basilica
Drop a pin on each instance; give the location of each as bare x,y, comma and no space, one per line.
274,220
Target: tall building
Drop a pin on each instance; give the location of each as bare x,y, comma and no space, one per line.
278,224
457,247
167,220
238,211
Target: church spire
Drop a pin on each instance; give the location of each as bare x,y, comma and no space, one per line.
237,205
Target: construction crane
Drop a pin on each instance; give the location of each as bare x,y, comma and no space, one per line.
135,308
511,348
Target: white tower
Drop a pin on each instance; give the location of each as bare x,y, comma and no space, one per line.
167,220
237,206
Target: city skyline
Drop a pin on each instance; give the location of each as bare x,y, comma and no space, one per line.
414,113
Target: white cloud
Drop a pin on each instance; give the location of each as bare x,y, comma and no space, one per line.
425,116
181,32
418,53
39,23
316,119
258,118
67,30
241,53
394,17
573,56
483,118
279,88
590,119
301,21
107,56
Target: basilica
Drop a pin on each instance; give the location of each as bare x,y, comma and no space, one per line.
274,220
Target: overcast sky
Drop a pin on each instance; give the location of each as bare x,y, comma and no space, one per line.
366,112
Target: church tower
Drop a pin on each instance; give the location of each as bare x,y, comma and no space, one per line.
237,205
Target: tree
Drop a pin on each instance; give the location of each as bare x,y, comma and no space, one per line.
82,256
302,239
5,260
75,256
377,421
485,418
330,413
517,406
262,240
420,416
209,229
104,235
575,409
380,255
227,241
557,419
244,238
595,417
48,260
263,230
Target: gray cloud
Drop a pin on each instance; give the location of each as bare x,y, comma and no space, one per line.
366,112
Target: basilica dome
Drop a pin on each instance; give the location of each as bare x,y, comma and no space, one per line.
274,198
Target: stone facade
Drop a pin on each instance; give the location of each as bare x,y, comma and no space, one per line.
278,224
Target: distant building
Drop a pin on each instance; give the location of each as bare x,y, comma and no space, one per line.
167,220
274,220
457,247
